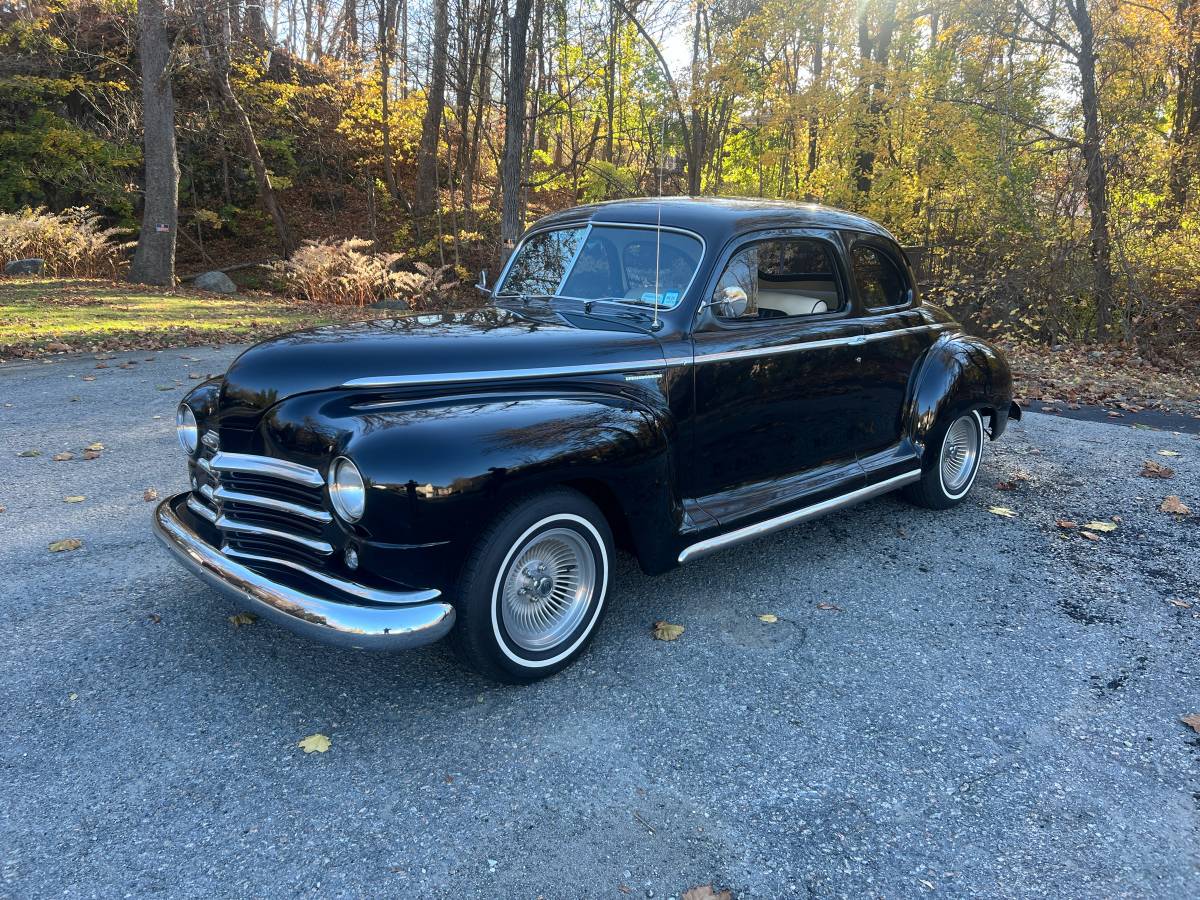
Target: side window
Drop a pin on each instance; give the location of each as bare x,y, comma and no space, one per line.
777,279
880,282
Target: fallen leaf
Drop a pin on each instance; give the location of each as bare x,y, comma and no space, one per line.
1151,469
1168,452
1089,535
3,508
1006,485
1192,721
1101,526
63,457
29,454
705,892
155,618
831,607
1002,511
72,696
665,631
1174,506
243,618
195,376
769,618
88,378
91,454
96,447
1116,415
1049,409
66,544
314,743
1182,604
149,494
77,498
1065,523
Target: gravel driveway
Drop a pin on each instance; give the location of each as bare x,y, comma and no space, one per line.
951,703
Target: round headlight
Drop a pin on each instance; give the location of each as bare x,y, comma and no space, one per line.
346,490
186,430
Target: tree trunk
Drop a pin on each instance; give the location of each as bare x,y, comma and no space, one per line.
425,196
514,129
874,50
154,259
386,48
1185,124
1097,175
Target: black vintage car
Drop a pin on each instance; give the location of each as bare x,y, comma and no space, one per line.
671,376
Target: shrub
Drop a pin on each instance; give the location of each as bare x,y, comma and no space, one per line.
341,272
72,242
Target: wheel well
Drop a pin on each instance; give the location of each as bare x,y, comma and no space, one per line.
606,499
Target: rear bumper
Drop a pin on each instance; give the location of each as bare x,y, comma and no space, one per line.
389,620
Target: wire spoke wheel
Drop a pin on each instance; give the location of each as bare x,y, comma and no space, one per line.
960,453
547,589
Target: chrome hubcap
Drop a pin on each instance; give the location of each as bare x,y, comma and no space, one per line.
960,453
547,589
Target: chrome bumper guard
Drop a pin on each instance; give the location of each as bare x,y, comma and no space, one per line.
402,619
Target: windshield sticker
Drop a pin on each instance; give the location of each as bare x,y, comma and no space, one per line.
669,298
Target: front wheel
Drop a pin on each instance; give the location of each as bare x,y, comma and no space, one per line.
532,591
951,462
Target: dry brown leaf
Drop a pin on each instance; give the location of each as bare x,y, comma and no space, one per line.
149,494
1182,604
1006,485
74,498
705,892
1002,511
1101,526
63,457
58,346
665,631
88,378
1151,469
3,508
830,607
1089,535
155,618
1175,506
91,454
66,544
1192,721
314,743
1065,523
243,618
769,618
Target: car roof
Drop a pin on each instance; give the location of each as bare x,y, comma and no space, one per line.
714,218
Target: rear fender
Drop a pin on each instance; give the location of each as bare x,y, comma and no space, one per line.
957,373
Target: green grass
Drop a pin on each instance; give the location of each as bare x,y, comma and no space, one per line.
54,314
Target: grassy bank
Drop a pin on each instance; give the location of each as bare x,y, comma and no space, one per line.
48,315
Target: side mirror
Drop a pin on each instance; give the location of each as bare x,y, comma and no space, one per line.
482,285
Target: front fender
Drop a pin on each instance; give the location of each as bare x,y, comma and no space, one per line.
438,471
958,372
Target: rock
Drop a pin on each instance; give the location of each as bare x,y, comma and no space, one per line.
32,266
217,282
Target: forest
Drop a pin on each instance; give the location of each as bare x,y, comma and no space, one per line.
1041,157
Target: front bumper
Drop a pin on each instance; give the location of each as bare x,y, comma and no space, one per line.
389,620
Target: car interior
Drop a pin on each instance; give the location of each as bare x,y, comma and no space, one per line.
778,279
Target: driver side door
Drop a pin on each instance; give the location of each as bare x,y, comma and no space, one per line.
776,377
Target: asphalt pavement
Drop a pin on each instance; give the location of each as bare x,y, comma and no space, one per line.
951,703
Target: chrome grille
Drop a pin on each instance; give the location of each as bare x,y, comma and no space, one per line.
267,507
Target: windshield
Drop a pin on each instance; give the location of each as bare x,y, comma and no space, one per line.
606,262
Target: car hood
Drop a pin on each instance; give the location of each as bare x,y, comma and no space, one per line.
488,340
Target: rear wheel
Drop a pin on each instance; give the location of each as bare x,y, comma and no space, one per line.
533,590
951,462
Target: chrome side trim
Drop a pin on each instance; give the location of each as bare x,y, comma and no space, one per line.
856,341
206,491
749,532
307,512
409,618
383,381
386,381
200,509
204,464
347,587
228,524
266,465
